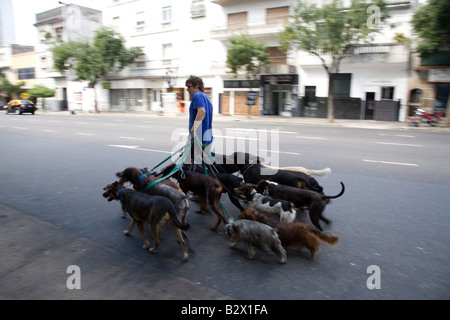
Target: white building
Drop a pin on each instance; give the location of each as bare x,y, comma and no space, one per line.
56,26
175,38
7,25
180,38
375,76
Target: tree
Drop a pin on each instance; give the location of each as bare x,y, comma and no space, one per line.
93,62
40,91
246,54
431,22
330,32
12,90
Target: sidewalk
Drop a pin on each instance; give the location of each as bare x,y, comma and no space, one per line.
35,256
305,121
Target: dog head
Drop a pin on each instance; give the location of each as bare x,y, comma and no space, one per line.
130,174
262,186
249,214
232,231
112,191
245,191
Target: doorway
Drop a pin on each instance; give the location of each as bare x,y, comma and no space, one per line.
370,105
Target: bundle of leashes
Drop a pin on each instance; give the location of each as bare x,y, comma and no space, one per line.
180,161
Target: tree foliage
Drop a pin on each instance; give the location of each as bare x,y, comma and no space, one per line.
11,90
92,62
331,31
246,54
40,91
431,22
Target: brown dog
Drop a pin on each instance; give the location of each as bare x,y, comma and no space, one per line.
151,208
295,235
206,187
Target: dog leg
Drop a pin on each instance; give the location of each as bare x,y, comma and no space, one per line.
140,225
202,204
130,227
282,252
315,222
155,233
179,235
215,205
312,253
251,251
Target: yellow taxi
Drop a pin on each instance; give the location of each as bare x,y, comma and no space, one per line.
20,107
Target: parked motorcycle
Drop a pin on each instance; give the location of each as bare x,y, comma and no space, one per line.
422,116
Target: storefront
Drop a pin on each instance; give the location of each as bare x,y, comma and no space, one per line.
280,94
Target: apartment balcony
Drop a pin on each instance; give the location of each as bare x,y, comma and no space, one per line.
255,29
147,69
375,54
439,59
230,2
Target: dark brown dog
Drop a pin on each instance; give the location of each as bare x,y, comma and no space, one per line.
311,200
295,235
206,187
141,182
143,207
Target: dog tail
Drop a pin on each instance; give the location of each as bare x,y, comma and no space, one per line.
328,238
173,214
321,173
336,196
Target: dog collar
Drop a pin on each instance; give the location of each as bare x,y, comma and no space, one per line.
120,193
142,176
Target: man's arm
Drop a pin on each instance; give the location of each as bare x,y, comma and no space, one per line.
201,112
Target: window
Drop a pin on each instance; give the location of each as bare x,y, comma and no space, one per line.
140,21
237,20
167,50
276,56
341,83
141,61
167,53
277,15
166,14
387,93
415,96
26,73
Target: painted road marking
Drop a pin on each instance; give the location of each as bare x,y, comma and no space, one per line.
399,144
137,148
391,162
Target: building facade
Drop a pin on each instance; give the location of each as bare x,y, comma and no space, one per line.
180,38
57,26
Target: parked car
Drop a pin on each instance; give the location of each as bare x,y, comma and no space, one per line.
20,106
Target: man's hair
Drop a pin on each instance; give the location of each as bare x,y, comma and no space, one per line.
195,82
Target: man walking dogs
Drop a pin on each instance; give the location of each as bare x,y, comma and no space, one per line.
200,115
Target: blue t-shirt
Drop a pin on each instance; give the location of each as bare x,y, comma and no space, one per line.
199,99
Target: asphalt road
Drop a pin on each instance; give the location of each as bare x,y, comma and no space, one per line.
393,217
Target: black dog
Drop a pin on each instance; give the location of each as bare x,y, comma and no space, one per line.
253,173
313,201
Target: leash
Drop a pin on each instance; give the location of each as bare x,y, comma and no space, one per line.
204,150
177,166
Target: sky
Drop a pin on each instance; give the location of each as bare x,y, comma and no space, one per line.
25,16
